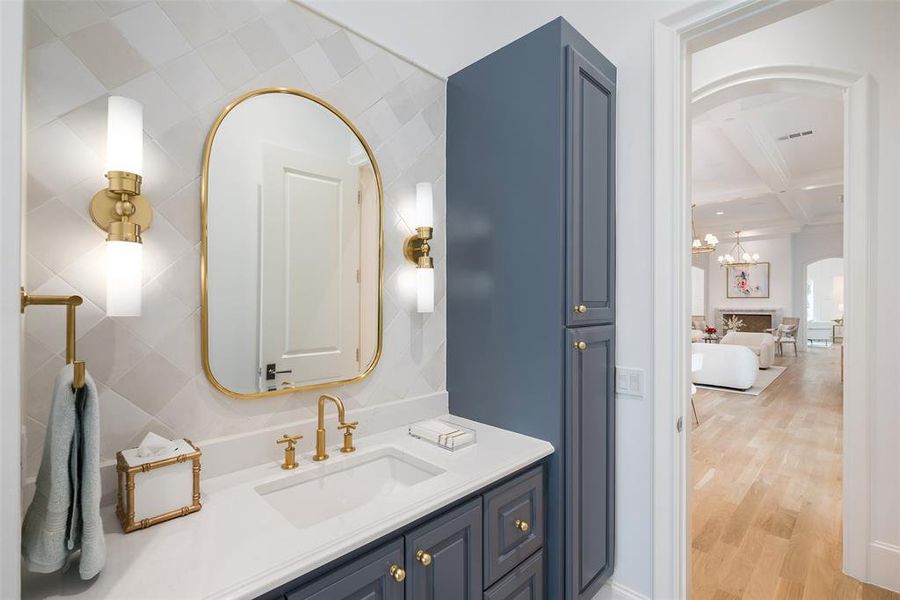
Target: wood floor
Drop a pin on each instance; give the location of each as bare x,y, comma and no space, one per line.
766,515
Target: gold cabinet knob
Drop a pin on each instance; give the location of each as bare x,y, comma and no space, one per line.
521,525
581,308
398,573
580,345
424,558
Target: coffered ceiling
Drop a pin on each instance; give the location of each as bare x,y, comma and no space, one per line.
768,163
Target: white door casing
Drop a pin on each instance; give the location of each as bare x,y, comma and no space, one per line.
309,253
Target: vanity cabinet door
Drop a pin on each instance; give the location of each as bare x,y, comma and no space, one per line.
590,193
368,577
589,458
443,557
513,523
526,582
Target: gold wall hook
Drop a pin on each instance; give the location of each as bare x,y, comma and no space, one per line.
71,303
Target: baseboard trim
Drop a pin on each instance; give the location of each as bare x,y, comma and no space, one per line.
616,591
884,565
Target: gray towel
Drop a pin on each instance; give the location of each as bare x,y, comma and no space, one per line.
64,516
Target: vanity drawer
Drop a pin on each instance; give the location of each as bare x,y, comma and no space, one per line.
526,582
513,524
371,575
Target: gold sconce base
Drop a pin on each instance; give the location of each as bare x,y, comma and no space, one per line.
122,185
417,247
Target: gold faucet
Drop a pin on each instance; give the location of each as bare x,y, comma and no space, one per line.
290,455
320,430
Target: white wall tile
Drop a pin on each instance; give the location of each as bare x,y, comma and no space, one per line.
192,80
107,54
197,20
36,31
56,236
340,52
237,12
261,45
162,107
64,17
152,33
153,362
57,83
228,62
316,67
151,383
291,26
58,158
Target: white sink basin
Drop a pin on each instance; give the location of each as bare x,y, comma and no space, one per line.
335,488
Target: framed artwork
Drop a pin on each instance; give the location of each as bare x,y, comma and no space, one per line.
747,282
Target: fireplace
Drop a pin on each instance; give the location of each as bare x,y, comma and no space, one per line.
752,322
755,319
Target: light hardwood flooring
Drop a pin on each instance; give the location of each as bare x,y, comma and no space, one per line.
766,497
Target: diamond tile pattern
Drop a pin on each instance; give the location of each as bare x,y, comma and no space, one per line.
185,60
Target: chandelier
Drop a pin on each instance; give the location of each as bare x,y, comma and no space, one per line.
738,257
709,240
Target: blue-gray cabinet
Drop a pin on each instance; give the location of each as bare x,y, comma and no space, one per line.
531,272
444,556
369,577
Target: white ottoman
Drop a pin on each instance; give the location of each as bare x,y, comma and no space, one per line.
726,365
762,344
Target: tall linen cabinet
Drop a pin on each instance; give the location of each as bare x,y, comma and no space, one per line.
531,276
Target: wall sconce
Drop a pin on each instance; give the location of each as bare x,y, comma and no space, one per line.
417,250
120,210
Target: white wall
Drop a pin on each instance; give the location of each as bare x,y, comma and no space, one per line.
447,36
185,66
777,252
698,290
825,281
862,38
810,245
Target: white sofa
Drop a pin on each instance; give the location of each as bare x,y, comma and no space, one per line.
725,365
762,344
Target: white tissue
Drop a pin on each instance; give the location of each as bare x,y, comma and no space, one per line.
156,445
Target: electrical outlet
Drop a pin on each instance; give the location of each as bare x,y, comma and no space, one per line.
630,381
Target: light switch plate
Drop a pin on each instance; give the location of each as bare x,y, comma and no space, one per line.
630,381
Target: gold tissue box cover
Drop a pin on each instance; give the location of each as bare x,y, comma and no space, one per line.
127,481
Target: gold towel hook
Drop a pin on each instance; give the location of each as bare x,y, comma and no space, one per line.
71,303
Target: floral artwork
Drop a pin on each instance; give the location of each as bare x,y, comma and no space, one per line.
748,282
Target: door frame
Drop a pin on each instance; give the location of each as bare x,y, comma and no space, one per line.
675,38
11,72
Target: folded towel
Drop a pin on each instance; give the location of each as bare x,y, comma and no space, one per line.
64,515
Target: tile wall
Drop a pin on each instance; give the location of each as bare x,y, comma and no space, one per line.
185,60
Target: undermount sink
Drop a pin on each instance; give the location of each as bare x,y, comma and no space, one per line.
333,489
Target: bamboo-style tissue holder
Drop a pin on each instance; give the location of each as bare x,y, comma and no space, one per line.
157,491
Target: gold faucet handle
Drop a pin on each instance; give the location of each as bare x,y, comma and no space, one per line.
290,440
348,436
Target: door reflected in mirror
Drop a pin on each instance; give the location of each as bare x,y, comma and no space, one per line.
292,247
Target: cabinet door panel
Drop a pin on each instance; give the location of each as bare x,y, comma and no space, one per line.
526,582
453,541
590,458
590,193
505,508
365,578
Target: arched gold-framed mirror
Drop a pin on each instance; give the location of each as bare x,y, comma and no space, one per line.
292,247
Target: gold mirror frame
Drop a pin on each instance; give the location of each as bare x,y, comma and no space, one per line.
204,243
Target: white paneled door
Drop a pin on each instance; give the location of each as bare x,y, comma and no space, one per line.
309,236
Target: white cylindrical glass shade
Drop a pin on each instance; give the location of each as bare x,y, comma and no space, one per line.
123,279
424,205
425,290
124,135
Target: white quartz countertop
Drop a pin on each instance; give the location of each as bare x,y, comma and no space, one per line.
239,546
